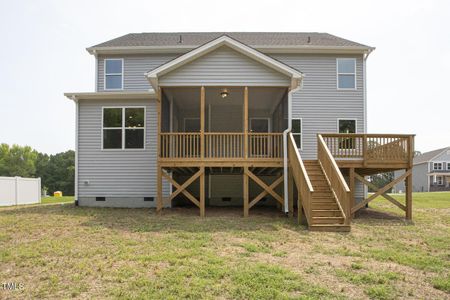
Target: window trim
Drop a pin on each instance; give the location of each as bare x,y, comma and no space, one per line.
436,163
123,128
441,181
190,118
448,165
104,74
301,132
337,74
347,119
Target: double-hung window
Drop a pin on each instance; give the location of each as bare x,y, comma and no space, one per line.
113,74
448,166
123,127
439,180
297,132
346,73
437,166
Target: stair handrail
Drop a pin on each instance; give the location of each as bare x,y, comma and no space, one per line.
335,178
301,178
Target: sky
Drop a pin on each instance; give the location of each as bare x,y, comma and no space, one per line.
43,55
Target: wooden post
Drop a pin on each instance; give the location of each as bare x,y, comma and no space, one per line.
246,122
408,196
159,204
245,189
202,122
352,191
202,192
364,150
159,199
299,207
291,193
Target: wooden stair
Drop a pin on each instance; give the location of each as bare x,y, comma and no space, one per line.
325,212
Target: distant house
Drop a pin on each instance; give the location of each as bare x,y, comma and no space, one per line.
431,172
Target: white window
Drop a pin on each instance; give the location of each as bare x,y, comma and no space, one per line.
114,74
347,126
448,166
439,180
297,132
123,128
346,73
437,166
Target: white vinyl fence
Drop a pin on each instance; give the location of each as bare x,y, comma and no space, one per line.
18,190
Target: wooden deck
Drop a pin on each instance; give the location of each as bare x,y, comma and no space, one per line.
324,195
354,156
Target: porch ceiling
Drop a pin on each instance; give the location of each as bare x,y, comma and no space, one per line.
259,97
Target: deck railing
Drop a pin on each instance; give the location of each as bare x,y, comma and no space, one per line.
221,145
336,181
301,179
224,145
371,147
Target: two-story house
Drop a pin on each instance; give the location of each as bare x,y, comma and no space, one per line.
244,119
431,172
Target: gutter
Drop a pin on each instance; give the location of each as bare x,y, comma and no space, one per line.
285,152
75,100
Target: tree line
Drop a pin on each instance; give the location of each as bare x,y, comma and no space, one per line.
57,171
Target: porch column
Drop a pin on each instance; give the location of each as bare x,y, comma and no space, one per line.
245,190
246,122
202,122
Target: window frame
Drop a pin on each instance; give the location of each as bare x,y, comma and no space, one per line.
113,74
338,73
299,134
347,119
439,181
448,165
123,128
353,141
438,163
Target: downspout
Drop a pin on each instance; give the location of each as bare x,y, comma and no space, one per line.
76,148
285,144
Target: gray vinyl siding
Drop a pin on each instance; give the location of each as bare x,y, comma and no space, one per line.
115,173
419,177
135,66
224,66
319,103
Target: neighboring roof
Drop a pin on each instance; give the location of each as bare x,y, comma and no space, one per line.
295,75
259,40
123,95
428,156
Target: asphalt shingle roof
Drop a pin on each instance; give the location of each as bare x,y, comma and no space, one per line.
427,156
252,39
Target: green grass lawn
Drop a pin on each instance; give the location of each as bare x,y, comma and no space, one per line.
64,199
63,251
